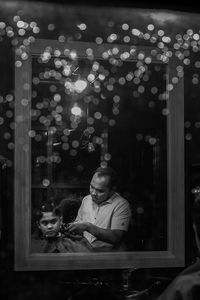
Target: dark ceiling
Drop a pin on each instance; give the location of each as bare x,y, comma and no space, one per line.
185,6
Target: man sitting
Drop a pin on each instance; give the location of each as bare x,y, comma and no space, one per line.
104,216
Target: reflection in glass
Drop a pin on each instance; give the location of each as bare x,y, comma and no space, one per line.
86,113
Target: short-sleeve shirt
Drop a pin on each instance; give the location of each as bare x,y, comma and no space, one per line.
113,213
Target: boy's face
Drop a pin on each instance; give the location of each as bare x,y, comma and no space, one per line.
50,224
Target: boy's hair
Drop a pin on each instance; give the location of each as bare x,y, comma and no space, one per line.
108,171
47,207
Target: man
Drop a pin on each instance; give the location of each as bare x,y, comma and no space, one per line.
187,285
104,216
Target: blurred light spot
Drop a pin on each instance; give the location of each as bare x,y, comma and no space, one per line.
36,29
107,156
75,144
82,26
80,85
169,87
139,137
73,54
65,146
73,152
57,97
187,124
151,104
91,130
122,81
51,27
90,120
140,210
26,86
195,80
11,146
7,135
9,114
45,182
21,32
125,26
97,115
141,89
150,27
186,61
165,111
18,63
126,39
76,110
103,164
188,136
112,122
31,133
175,80
152,141
61,38
197,124
99,40
135,32
154,90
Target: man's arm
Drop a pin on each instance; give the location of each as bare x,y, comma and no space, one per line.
112,236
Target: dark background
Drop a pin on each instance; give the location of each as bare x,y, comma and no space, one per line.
185,6
101,284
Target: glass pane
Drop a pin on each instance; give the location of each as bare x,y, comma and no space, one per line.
92,112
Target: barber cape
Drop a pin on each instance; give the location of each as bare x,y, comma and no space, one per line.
59,244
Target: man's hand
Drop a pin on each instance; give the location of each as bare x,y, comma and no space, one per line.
74,237
106,235
77,228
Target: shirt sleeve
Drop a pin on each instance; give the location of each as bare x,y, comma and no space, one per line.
80,213
79,216
121,216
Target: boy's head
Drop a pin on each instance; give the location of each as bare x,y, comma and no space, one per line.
49,220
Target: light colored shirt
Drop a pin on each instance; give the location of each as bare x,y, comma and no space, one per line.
115,213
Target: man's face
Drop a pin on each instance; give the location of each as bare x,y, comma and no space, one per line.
99,189
49,224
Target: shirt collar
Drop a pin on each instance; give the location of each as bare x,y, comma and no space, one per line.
110,200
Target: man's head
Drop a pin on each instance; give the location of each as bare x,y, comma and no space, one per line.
103,184
49,220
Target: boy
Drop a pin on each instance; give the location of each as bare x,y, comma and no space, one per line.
52,236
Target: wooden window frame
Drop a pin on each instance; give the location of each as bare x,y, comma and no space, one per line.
174,256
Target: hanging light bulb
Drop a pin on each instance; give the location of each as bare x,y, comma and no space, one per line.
76,110
80,85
